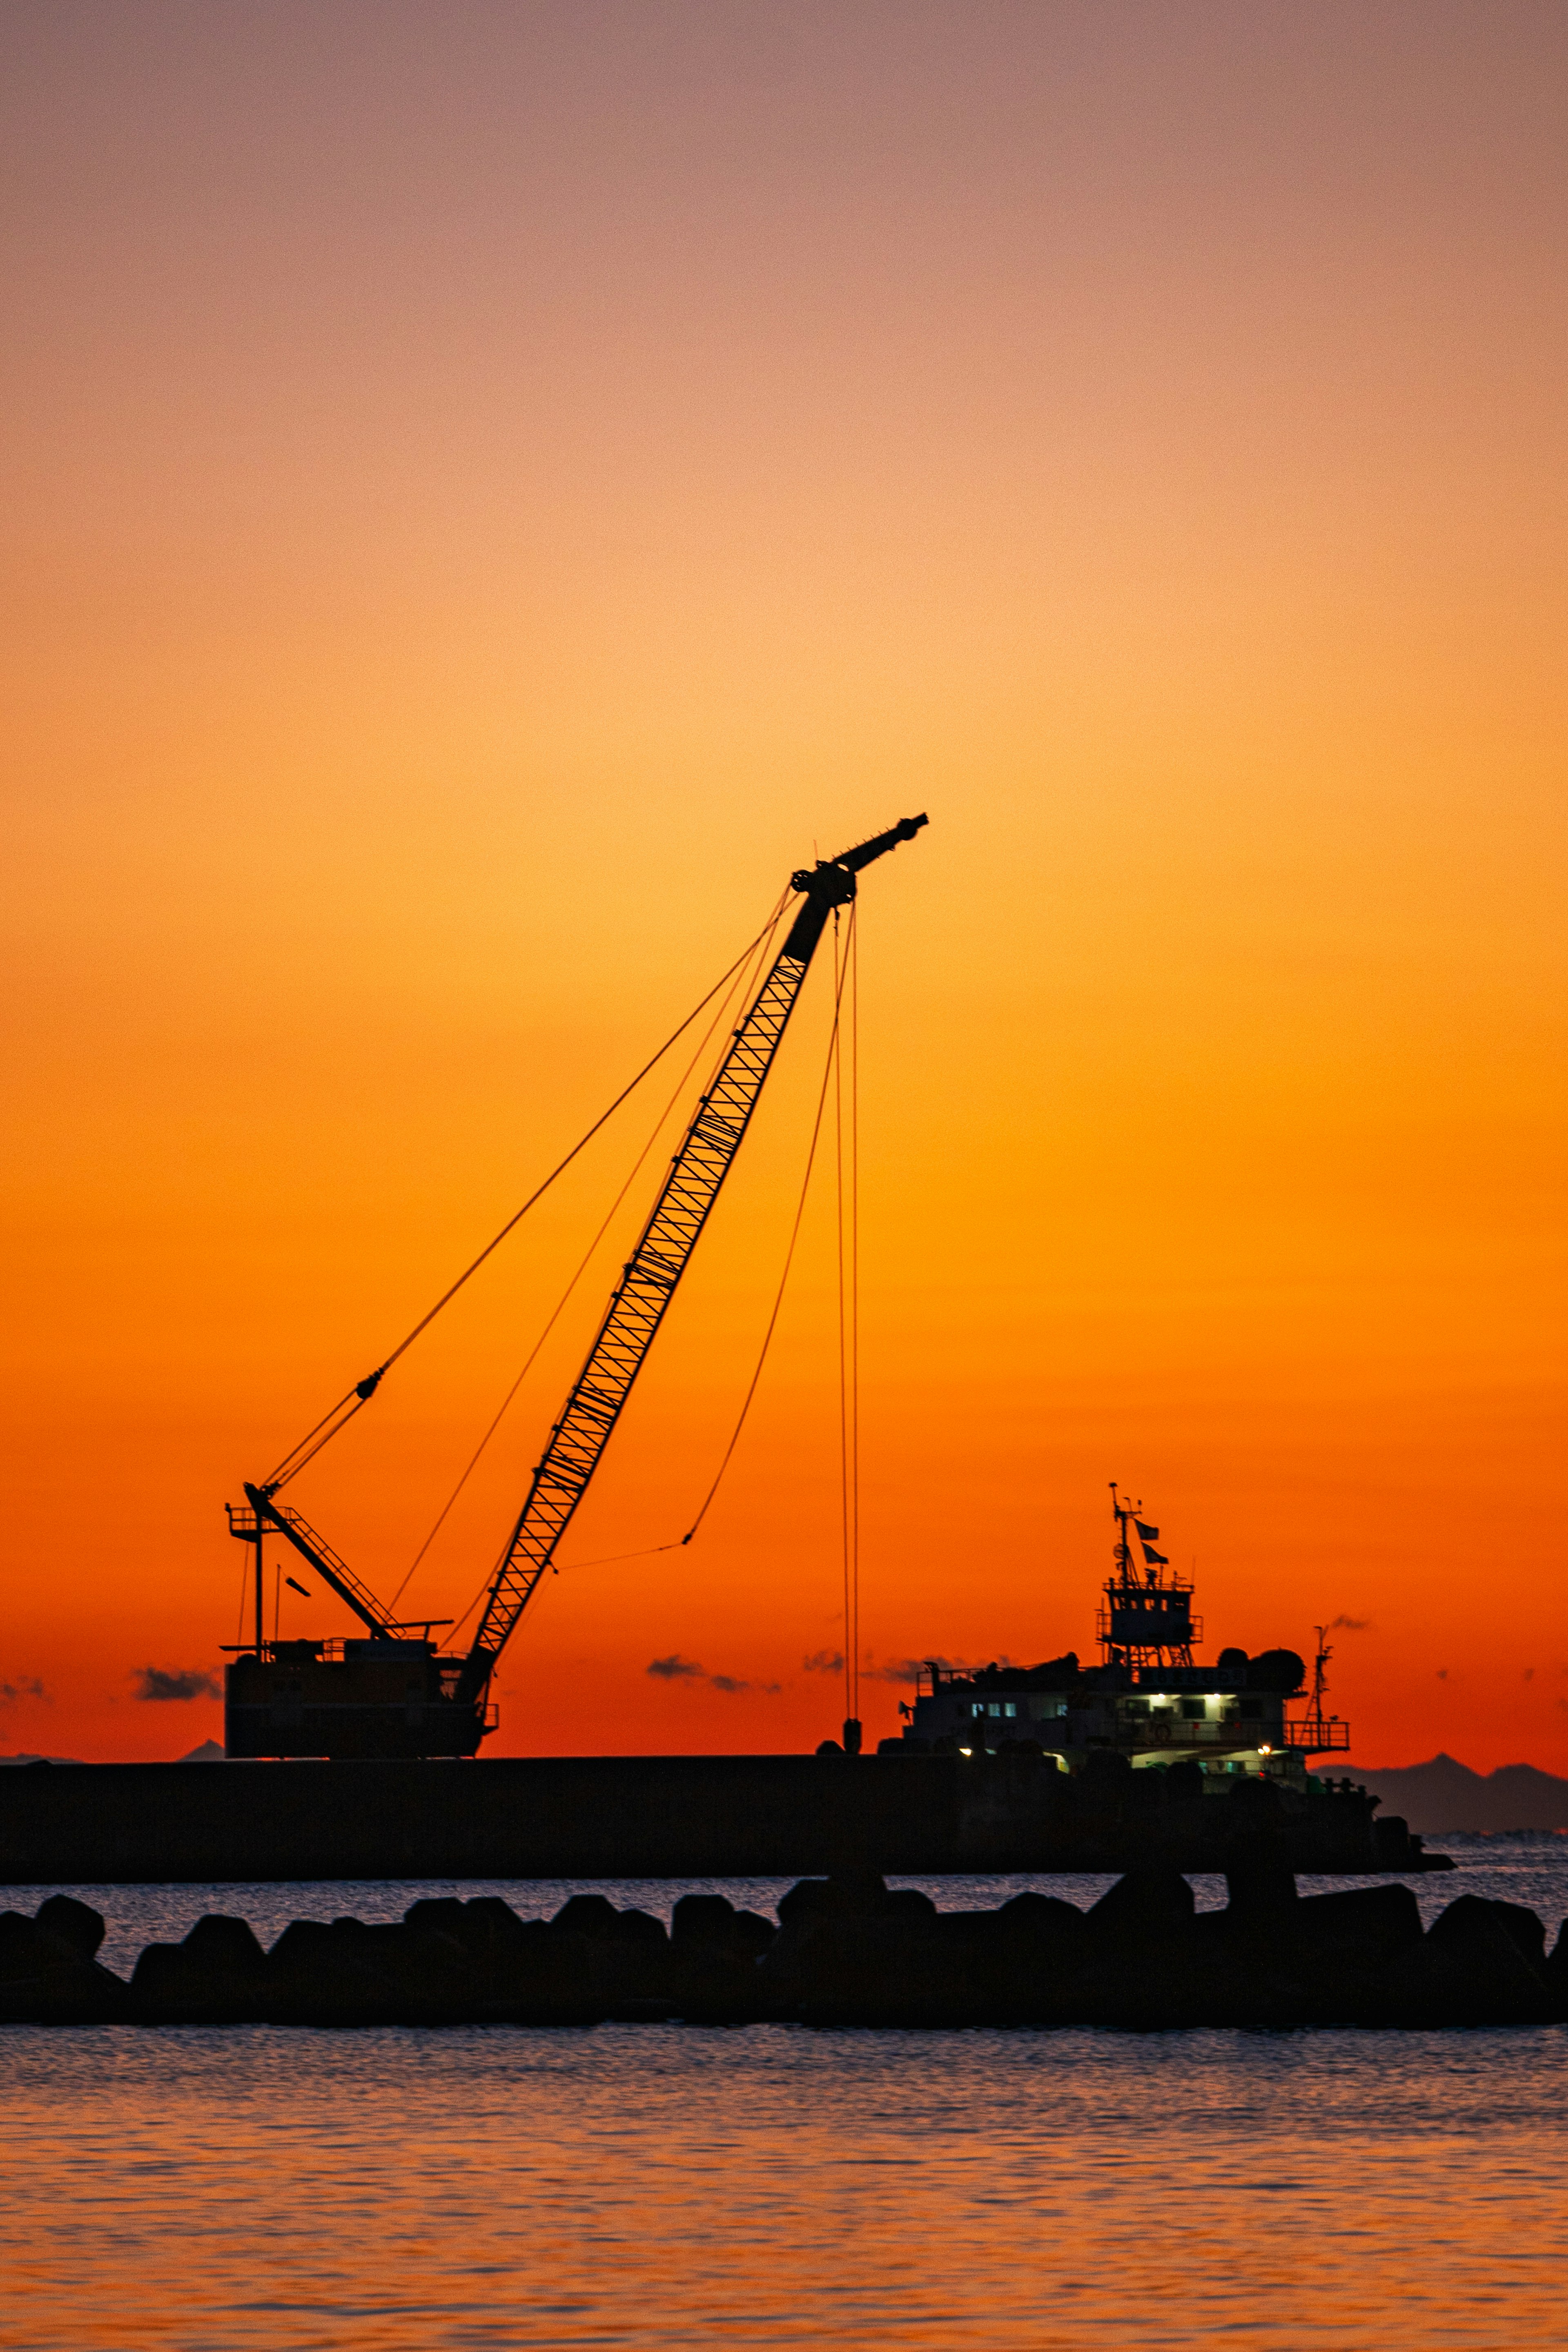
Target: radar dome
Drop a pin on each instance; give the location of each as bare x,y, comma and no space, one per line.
1276,1670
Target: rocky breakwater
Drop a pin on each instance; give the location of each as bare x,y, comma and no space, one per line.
1144,1956
50,1973
844,1951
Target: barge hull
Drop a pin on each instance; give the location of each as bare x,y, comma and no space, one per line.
649,1817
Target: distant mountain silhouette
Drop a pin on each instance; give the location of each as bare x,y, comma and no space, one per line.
209,1753
1444,1795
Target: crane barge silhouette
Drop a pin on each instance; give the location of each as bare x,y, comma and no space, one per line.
390,1693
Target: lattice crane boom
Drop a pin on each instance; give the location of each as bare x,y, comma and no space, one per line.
663,1252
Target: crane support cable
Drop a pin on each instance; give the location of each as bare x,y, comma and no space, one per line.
651,1551
560,1307
741,989
638,1303
855,1287
789,1261
360,1395
609,1560
847,1157
640,1299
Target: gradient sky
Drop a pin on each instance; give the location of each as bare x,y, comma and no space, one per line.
490,488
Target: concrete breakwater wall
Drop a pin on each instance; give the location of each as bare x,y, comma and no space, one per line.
844,1951
660,1816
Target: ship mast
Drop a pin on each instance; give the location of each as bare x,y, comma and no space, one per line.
1147,1620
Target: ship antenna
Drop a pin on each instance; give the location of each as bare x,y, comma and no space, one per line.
1320,1676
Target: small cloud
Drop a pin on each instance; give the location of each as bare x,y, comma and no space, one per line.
675,1668
175,1682
1529,1674
1442,1673
906,1671
29,1686
1350,1624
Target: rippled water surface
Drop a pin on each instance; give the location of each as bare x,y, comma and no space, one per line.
654,2186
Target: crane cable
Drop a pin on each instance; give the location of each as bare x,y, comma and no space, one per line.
651,1551
560,1307
744,989
360,1395
789,1254
849,1313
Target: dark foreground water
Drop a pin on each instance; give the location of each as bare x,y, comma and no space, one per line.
655,2185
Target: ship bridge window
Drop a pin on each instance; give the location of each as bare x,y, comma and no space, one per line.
1191,1710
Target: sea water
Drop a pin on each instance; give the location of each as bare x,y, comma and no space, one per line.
659,2186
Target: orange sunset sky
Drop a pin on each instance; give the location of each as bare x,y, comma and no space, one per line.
489,490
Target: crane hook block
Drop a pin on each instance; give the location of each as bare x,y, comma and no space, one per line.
364,1390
